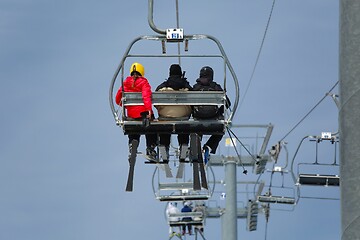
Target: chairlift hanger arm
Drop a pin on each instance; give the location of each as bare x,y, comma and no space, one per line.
151,18
195,37
296,152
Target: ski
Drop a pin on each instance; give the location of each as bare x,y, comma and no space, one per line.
180,171
132,161
202,170
194,142
168,171
183,153
196,176
165,158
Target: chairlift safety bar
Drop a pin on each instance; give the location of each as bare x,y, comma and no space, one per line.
176,186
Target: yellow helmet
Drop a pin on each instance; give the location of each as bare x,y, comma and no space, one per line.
137,67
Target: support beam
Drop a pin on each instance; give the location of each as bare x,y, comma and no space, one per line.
229,218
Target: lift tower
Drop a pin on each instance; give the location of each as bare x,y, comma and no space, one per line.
349,118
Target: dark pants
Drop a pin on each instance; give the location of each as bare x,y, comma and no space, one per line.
151,139
182,139
213,142
188,226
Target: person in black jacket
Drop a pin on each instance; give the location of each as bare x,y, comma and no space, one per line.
175,82
206,82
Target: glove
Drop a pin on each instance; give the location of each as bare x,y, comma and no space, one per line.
146,116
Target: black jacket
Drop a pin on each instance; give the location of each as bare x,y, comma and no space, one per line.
207,84
176,83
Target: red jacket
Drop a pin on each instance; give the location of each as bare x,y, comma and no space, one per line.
142,85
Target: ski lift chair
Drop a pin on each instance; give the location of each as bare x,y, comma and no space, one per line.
170,190
316,179
190,126
197,219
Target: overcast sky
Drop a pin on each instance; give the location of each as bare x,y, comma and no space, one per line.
64,161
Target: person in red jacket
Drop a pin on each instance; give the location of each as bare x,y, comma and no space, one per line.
136,82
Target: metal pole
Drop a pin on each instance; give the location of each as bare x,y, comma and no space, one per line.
229,224
151,19
349,118
178,26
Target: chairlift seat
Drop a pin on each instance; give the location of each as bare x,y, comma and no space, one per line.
175,125
319,180
276,199
185,223
174,198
